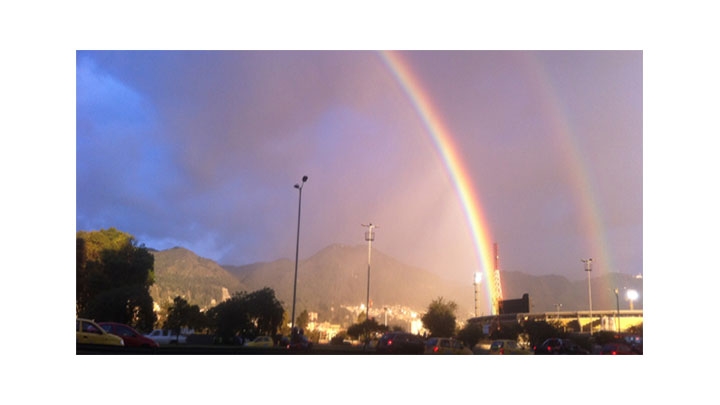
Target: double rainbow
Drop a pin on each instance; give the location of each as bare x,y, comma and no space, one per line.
442,138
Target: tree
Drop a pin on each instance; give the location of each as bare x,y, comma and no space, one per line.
471,333
229,318
113,275
183,315
265,311
539,331
248,315
302,320
365,329
440,318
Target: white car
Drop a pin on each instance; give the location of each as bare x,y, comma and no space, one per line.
166,337
261,341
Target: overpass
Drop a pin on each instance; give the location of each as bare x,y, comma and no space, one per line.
602,320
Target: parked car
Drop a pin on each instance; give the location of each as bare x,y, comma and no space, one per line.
166,337
130,336
507,346
616,348
559,346
89,332
261,341
438,345
400,343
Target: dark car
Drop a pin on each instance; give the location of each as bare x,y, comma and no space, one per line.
400,343
616,348
559,346
130,336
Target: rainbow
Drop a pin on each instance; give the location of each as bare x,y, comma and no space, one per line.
442,138
459,175
591,213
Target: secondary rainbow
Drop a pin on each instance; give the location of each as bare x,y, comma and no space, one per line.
451,159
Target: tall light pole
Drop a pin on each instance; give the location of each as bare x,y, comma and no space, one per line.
297,250
369,237
588,269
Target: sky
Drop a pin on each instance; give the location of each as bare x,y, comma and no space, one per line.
446,152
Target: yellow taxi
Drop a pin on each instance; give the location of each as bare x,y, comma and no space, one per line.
88,332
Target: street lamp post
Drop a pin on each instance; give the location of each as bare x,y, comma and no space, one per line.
588,269
297,250
369,237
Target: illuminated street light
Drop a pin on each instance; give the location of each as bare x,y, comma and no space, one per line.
297,250
632,295
588,269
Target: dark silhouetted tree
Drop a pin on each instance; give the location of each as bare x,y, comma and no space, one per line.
302,320
183,315
248,315
365,329
471,333
439,320
509,331
539,331
265,311
113,277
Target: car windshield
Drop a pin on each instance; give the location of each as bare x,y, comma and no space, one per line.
88,327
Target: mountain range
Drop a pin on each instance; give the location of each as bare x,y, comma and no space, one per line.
337,276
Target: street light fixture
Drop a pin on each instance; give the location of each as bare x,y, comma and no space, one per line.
297,250
588,269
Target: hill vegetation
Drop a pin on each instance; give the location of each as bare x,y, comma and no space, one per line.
202,282
337,276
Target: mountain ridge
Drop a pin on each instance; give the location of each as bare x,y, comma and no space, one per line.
336,276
